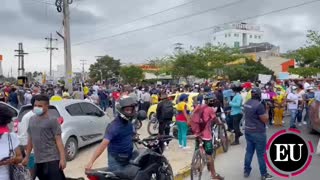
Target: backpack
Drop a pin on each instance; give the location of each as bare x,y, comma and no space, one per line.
167,110
197,122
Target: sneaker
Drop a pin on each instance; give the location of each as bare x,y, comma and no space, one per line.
266,177
299,124
304,122
246,174
187,147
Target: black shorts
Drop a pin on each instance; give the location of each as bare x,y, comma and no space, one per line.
49,171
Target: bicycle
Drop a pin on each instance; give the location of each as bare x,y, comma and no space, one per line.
199,161
220,138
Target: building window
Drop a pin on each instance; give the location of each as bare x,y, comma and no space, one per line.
229,34
236,44
236,35
226,35
250,36
259,37
255,36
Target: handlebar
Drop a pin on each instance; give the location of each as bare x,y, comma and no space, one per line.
156,139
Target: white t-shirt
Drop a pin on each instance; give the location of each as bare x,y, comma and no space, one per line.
293,97
265,96
4,152
23,128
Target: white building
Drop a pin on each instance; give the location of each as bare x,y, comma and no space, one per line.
59,73
237,35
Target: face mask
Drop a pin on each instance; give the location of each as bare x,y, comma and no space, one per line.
38,111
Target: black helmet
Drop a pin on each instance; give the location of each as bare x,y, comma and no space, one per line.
236,86
127,101
142,115
255,93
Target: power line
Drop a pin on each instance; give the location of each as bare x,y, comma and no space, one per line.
159,24
230,22
149,15
39,1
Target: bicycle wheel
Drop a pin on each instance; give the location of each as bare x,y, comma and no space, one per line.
153,127
223,136
197,165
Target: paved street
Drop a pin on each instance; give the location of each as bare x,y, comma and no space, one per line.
178,158
230,164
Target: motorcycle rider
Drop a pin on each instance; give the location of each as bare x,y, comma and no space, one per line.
208,117
118,136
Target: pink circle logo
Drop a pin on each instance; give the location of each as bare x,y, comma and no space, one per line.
288,154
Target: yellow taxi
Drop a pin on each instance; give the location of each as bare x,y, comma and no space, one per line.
174,98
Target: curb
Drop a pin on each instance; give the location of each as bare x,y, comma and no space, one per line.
185,172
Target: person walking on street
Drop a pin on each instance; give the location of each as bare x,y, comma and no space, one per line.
145,100
256,117
292,100
13,98
104,99
165,112
278,107
44,136
182,119
236,112
8,141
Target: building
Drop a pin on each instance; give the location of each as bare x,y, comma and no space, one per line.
237,35
288,64
59,73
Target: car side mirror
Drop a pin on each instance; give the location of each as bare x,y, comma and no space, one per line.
142,115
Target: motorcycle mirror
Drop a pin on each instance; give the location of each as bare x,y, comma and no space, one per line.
142,115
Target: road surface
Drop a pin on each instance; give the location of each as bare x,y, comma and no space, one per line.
230,164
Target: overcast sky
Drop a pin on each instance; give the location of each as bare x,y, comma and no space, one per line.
30,21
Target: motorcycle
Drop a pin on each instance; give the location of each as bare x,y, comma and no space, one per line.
148,164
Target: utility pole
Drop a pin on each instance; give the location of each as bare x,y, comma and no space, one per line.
50,48
83,62
20,56
63,6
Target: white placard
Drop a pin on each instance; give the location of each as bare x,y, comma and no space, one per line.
264,78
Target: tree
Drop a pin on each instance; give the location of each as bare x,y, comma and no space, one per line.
131,74
307,57
247,71
107,67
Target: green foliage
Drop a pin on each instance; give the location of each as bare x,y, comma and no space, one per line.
307,57
131,74
305,71
107,66
247,71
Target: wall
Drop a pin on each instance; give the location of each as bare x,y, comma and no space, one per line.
219,38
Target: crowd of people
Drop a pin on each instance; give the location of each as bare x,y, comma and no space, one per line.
253,105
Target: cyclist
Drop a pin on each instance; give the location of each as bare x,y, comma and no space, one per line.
205,133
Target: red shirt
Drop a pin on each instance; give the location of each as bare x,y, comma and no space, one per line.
116,96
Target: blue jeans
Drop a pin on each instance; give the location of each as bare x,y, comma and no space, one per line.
299,115
104,104
182,133
114,164
293,116
256,142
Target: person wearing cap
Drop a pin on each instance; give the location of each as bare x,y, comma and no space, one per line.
292,100
182,119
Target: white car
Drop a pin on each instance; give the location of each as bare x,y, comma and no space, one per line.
82,123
